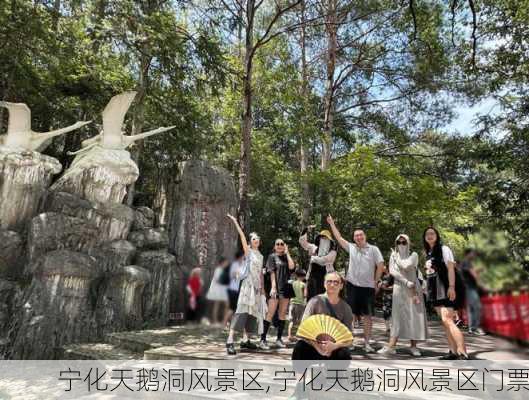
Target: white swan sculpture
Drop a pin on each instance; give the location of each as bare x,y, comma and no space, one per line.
112,136
19,134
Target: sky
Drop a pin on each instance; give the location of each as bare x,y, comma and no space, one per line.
465,122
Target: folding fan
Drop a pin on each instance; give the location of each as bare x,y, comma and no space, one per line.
321,327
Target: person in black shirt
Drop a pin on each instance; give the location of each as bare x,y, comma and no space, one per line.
279,266
470,277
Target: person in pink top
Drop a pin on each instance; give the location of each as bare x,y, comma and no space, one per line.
194,291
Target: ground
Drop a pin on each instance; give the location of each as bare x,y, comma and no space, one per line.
207,342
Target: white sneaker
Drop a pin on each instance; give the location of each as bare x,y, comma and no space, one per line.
479,332
368,348
387,351
415,351
263,345
280,344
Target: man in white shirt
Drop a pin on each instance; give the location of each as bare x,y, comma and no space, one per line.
366,266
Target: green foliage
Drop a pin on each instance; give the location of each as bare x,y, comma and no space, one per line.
498,154
399,72
379,196
497,269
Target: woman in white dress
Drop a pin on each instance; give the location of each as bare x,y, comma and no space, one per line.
251,305
218,292
408,317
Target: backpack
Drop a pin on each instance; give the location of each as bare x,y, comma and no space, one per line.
224,277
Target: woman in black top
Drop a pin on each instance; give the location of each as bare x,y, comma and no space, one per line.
446,292
279,266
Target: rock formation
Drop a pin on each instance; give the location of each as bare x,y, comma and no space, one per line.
24,178
75,263
25,174
89,274
57,307
11,254
198,230
165,286
120,300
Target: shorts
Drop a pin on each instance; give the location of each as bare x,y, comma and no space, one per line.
285,291
296,314
233,297
361,299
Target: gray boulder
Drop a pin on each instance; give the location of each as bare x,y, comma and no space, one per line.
150,238
10,293
53,231
100,175
120,300
58,306
114,255
11,254
111,219
161,292
143,218
24,178
199,232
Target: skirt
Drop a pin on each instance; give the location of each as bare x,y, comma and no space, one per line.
437,292
244,322
315,284
217,292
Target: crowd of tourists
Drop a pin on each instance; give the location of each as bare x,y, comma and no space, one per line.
250,294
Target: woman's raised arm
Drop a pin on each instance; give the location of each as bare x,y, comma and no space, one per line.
244,242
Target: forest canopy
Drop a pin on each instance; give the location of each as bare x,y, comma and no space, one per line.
314,106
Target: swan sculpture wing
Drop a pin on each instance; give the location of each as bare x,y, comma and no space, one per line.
132,138
19,117
39,141
114,117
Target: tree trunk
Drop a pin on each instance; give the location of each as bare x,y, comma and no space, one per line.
56,13
328,122
303,150
247,121
139,117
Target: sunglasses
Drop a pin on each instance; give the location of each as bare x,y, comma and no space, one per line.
280,244
332,282
402,242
